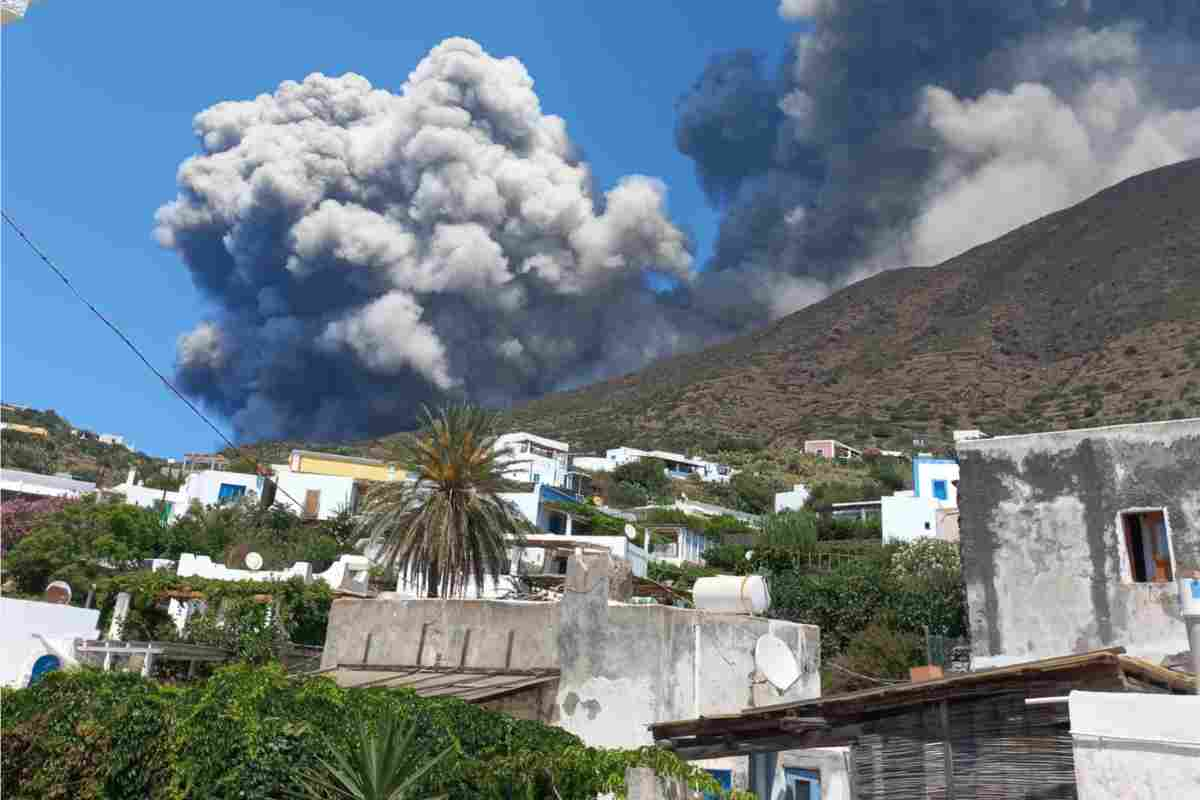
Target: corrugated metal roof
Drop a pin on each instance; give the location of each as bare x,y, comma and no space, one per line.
473,684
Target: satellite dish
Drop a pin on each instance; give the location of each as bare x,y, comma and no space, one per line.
59,592
254,560
775,661
631,532
749,555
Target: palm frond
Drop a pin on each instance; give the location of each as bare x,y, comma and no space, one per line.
450,526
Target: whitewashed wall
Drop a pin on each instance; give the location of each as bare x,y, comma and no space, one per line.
1131,745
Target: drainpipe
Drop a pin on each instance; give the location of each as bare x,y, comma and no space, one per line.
1189,604
696,671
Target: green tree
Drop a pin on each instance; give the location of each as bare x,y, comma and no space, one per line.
791,529
450,525
755,493
82,541
647,473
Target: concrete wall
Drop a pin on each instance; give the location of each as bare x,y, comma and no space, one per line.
793,500
622,666
625,666
21,619
1043,548
337,492
394,626
1136,745
905,518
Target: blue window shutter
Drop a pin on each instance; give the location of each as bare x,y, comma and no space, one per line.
939,490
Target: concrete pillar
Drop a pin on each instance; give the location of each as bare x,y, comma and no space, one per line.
642,783
120,612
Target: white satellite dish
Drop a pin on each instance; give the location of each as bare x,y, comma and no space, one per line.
254,560
776,662
631,532
749,555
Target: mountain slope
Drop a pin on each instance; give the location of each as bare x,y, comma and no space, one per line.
1087,316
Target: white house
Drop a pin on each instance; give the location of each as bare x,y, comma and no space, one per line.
213,487
678,465
113,439
15,481
793,500
169,503
311,495
929,509
35,637
968,436
532,459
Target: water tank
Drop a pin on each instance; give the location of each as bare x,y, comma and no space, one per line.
736,594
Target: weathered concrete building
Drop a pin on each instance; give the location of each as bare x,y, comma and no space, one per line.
603,669
1073,540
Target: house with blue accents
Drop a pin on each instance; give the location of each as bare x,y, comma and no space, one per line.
930,508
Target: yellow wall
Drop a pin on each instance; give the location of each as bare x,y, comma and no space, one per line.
13,426
349,469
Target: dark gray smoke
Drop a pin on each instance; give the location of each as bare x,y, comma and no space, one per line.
372,250
905,133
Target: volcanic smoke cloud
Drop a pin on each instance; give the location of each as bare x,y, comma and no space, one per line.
371,251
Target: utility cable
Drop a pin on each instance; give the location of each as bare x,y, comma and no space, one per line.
137,352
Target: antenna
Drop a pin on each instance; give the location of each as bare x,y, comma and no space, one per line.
775,661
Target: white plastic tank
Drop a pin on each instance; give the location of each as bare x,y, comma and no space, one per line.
733,594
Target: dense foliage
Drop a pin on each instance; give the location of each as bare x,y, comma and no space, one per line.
298,612
253,733
19,516
914,586
639,483
84,541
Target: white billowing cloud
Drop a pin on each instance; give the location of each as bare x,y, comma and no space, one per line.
803,9
1010,157
388,335
440,233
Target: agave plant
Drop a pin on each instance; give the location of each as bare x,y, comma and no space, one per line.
382,764
450,525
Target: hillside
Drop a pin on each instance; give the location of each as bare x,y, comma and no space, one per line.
1084,317
85,459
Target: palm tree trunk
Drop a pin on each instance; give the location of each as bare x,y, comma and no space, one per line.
435,580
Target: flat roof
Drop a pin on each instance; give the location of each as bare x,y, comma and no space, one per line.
970,444
46,481
372,462
545,441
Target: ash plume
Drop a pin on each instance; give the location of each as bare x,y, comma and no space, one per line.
370,251
902,134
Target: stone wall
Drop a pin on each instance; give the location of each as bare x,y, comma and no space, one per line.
1042,542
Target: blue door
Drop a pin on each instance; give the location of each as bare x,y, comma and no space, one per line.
44,665
724,777
802,784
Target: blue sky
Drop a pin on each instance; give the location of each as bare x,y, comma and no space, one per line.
97,107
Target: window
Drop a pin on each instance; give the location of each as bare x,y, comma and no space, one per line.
1147,546
927,527
230,492
940,490
802,784
537,478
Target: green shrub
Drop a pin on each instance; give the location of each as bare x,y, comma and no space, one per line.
792,529
250,732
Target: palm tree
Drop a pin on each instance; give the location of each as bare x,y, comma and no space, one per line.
384,763
449,525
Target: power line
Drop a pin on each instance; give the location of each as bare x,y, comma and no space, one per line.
111,326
